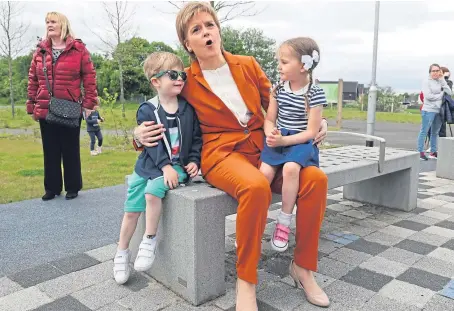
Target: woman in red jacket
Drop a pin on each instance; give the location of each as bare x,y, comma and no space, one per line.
68,64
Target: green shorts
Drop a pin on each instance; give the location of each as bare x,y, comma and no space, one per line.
139,186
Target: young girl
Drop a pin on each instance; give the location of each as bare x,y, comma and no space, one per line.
292,122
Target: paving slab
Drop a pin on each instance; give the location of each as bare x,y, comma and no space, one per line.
26,299
101,294
8,287
407,293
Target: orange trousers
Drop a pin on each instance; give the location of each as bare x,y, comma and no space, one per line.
239,176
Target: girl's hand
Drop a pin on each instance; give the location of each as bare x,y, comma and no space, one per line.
274,131
322,133
275,140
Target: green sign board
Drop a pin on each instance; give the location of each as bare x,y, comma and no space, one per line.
331,90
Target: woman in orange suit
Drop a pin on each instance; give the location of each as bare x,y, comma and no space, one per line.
228,93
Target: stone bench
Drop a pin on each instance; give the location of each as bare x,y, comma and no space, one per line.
191,260
445,161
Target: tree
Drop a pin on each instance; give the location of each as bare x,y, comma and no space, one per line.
136,51
253,42
227,10
181,52
12,34
119,16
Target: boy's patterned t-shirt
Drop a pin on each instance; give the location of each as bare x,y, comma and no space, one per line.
174,136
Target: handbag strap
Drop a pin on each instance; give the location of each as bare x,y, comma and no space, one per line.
45,74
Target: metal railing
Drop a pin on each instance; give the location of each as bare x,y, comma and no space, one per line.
381,155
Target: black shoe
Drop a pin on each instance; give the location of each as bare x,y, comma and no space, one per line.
71,195
49,195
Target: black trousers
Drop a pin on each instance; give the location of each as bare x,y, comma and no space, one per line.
61,143
93,136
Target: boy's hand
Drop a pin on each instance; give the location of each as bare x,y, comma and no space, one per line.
170,176
192,169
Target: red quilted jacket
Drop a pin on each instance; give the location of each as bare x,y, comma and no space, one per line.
73,66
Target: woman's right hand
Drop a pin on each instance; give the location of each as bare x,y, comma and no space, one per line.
148,133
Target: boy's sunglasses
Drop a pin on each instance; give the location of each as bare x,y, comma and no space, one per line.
173,74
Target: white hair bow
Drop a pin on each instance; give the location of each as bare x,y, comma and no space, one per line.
309,60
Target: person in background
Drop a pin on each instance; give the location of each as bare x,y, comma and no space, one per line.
69,67
445,74
434,89
94,130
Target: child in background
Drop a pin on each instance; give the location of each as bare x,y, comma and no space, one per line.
94,130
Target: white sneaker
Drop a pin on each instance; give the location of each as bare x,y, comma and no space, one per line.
93,153
145,255
121,269
99,150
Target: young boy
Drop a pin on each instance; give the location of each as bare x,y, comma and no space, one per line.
94,130
174,160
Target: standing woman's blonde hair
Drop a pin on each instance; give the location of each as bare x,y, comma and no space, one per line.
63,21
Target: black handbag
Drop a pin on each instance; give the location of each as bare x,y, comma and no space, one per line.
61,111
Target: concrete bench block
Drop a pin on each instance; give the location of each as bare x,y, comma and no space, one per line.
355,168
445,161
191,245
397,190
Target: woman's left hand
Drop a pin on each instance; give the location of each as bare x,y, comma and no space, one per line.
322,133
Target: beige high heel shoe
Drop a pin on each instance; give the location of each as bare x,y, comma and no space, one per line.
320,300
236,307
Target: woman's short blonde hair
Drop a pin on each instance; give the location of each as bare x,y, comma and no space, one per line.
186,14
64,22
159,61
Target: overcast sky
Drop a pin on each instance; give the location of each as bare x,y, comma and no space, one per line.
413,34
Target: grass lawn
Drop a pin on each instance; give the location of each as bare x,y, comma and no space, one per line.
22,173
355,114
114,119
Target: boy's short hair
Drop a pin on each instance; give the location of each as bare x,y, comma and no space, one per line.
159,61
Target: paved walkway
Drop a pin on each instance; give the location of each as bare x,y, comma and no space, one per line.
371,258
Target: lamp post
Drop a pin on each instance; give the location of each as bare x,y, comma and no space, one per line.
372,100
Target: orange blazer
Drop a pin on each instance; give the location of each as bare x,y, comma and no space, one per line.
220,128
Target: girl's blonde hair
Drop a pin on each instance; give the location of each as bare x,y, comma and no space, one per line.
63,21
186,14
303,46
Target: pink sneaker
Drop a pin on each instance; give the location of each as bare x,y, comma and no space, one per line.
279,242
